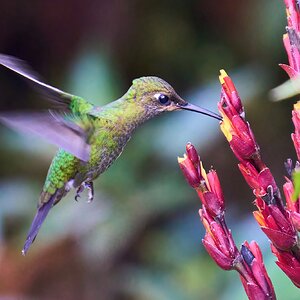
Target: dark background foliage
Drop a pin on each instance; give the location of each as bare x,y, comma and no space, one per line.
141,237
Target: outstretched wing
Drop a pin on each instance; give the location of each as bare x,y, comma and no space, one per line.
65,131
22,68
70,132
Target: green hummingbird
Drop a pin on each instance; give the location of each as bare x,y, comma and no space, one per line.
90,138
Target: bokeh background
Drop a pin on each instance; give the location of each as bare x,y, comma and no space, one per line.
141,237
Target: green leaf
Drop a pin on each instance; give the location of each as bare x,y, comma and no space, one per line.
296,181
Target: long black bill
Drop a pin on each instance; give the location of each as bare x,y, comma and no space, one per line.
198,109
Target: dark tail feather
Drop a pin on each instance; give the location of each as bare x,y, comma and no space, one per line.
37,223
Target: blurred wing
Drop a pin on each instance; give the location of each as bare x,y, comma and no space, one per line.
70,133
19,66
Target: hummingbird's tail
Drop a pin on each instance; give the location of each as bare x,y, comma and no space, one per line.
39,218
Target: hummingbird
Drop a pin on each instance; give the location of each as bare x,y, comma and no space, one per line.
90,138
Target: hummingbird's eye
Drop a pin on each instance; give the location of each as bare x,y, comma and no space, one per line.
163,99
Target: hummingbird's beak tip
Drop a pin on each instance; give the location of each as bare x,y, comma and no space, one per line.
198,109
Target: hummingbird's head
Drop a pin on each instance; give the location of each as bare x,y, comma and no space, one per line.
157,96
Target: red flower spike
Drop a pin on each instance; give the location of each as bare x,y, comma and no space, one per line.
218,240
233,125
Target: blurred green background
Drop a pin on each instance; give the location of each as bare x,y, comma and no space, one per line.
141,237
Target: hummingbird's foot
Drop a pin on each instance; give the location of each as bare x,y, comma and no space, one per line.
79,191
90,187
86,185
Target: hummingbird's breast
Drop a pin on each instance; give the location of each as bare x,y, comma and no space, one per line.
107,145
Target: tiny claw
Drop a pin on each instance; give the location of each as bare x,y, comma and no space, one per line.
79,191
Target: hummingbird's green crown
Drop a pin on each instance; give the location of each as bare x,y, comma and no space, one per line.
150,84
154,94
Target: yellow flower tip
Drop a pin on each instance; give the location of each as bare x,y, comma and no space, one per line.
259,218
297,106
226,128
181,159
204,175
223,74
222,113
207,227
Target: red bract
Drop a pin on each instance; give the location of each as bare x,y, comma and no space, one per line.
292,206
215,186
293,15
210,193
288,263
212,202
296,135
258,285
191,174
258,181
291,39
192,154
